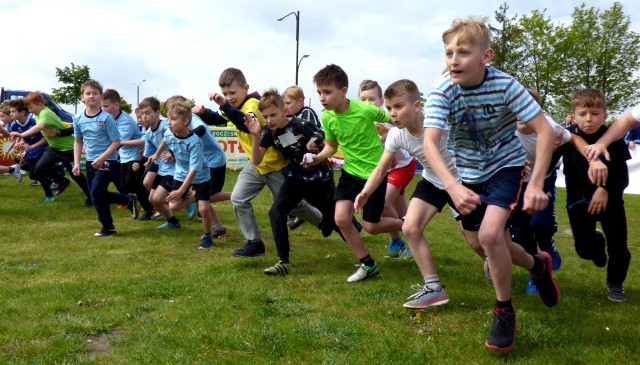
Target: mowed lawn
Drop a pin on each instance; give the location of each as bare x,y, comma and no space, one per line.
146,296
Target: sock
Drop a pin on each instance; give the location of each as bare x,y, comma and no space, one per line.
368,261
538,266
173,220
433,282
217,227
207,234
506,305
11,169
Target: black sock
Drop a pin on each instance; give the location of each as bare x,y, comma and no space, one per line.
207,234
538,266
506,305
11,169
173,220
367,261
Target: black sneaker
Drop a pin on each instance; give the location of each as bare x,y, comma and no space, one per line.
294,222
63,186
88,203
105,232
600,257
250,249
146,216
547,285
616,293
503,330
133,206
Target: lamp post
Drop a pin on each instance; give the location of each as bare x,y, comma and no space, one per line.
298,66
297,14
138,91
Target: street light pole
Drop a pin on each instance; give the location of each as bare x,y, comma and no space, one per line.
138,92
298,66
297,14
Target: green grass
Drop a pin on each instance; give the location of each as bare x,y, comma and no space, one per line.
150,297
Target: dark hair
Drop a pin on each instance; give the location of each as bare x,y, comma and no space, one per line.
331,75
231,75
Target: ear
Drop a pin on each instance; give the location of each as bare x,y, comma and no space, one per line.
246,88
488,55
343,90
418,104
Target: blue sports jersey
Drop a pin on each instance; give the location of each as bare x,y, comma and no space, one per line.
97,132
128,129
15,126
482,122
213,153
189,156
152,139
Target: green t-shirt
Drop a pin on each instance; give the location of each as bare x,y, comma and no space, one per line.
50,119
355,131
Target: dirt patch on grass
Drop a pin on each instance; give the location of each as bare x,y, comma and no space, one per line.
100,343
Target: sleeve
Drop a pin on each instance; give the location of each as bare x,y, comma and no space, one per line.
112,128
635,113
236,116
148,146
520,102
66,131
196,157
211,117
559,130
436,110
391,144
266,138
311,130
309,115
328,134
125,129
618,171
200,131
77,132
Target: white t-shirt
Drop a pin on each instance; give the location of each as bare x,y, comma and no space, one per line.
403,158
635,113
528,141
402,139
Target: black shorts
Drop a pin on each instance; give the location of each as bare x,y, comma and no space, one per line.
431,194
217,178
502,190
349,186
203,190
165,181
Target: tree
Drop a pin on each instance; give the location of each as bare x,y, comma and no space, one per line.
506,56
73,77
125,106
163,108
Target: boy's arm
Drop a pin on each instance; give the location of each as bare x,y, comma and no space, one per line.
132,142
615,132
374,180
235,116
113,147
30,132
252,124
77,151
330,148
534,197
4,132
41,142
209,116
464,199
598,171
52,132
177,194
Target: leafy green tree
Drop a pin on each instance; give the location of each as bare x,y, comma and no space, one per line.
506,55
73,77
163,108
125,106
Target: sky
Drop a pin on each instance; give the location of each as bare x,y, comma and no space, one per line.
181,47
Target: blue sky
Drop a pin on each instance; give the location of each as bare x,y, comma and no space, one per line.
182,49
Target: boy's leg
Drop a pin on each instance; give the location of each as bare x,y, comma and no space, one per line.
133,179
614,225
44,168
44,182
274,181
589,243
248,185
373,213
158,198
67,159
290,195
492,239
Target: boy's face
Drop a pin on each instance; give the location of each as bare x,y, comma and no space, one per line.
235,93
331,96
589,120
274,117
16,115
178,124
111,107
91,97
5,118
150,117
292,106
35,108
371,96
466,62
402,112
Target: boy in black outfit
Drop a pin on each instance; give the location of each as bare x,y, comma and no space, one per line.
588,203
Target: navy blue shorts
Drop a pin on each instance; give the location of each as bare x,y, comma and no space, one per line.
349,186
502,190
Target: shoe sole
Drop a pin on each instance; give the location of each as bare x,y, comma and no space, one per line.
365,278
246,256
503,349
433,303
222,236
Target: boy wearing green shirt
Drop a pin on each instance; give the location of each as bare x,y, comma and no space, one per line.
351,125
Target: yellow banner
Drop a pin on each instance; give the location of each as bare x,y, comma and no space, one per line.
228,139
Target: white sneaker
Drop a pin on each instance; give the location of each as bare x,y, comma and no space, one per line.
17,173
364,272
426,297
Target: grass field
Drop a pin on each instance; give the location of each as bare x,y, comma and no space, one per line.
150,297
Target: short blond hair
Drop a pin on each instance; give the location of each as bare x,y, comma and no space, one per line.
294,92
473,30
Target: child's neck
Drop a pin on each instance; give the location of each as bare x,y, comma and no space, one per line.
343,107
21,119
416,128
92,111
182,133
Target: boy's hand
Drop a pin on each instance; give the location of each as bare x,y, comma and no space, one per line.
632,145
50,132
382,131
76,169
217,98
98,163
465,200
151,159
598,173
174,196
361,201
305,160
594,151
16,134
198,109
252,124
167,156
598,202
135,167
535,200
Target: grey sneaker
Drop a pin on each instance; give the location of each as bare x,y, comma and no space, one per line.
364,272
278,269
616,293
426,297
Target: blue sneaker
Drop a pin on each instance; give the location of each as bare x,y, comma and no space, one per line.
49,199
531,287
408,255
397,249
192,209
556,260
168,225
205,243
